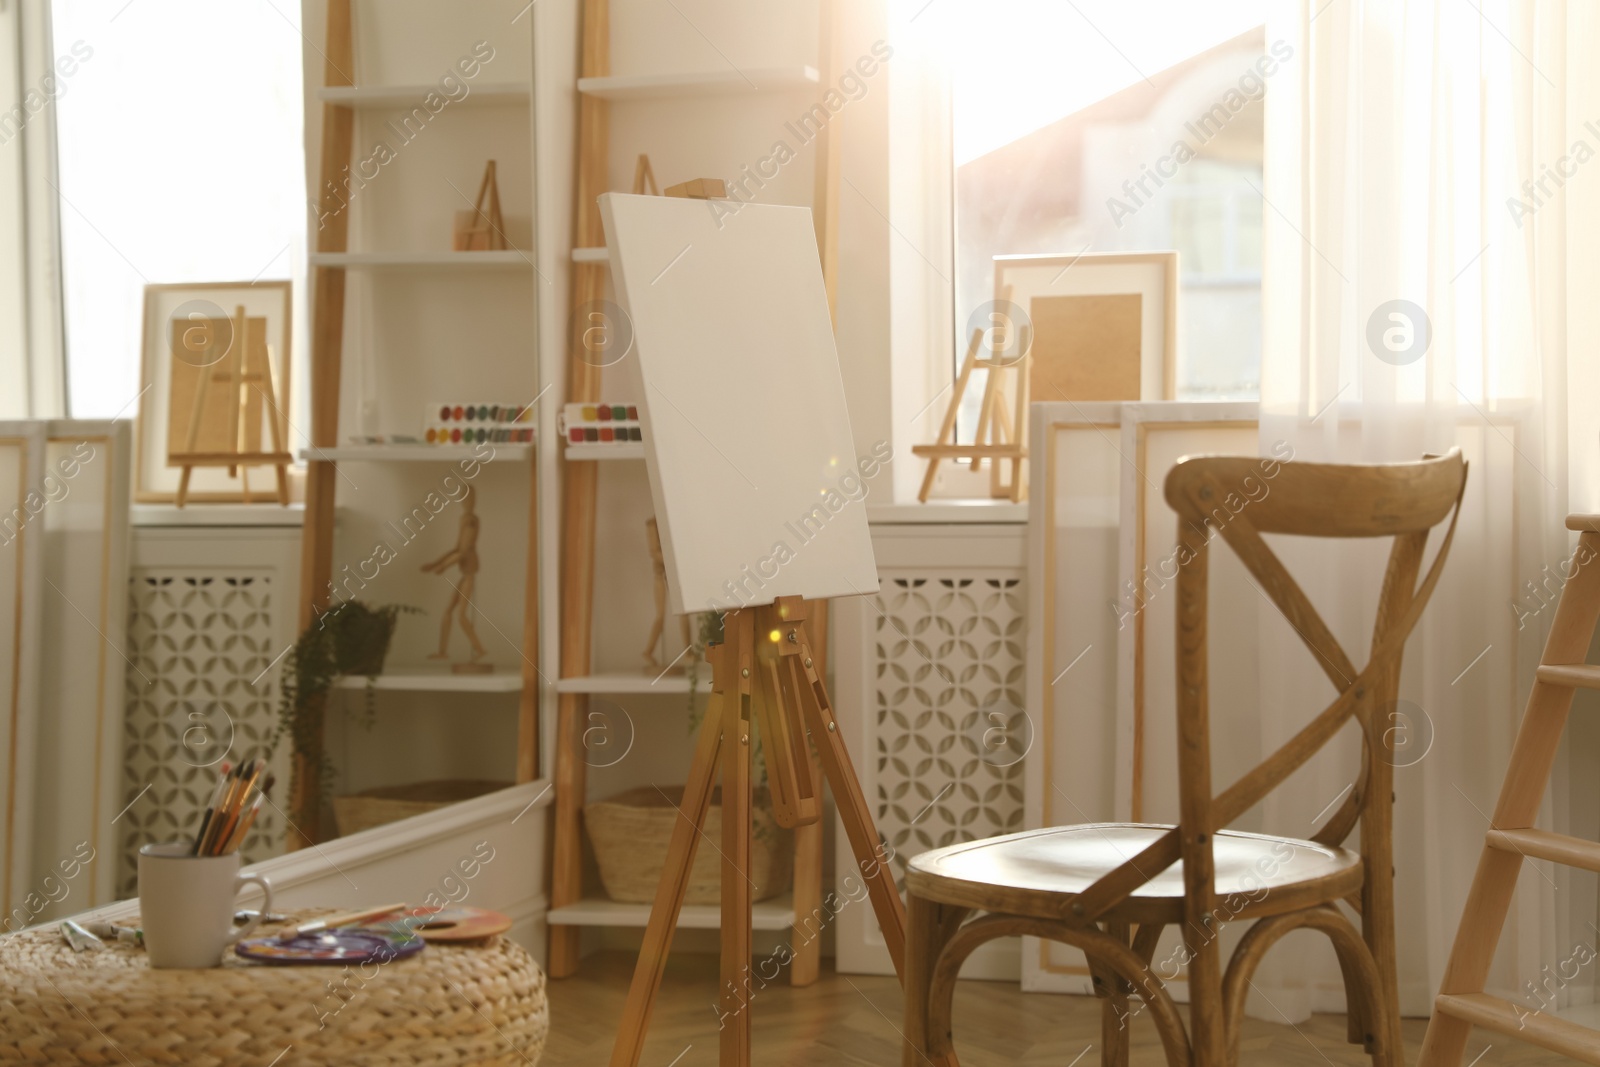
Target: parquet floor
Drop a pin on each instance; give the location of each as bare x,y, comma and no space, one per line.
854,1021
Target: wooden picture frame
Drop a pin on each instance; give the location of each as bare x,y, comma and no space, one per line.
155,481
1104,325
1073,550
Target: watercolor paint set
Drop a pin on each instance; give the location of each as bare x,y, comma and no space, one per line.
466,424
600,423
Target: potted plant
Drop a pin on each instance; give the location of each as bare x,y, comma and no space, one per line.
352,639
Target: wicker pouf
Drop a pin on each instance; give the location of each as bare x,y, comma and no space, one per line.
448,1006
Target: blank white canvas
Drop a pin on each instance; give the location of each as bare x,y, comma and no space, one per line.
747,436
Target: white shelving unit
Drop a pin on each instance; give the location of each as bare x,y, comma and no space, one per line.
699,83
701,123
402,321
774,914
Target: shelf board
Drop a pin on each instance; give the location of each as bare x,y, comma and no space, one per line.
263,514
774,914
424,453
508,259
359,96
436,678
597,450
700,83
620,684
601,254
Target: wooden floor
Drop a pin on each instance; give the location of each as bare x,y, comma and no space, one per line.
854,1021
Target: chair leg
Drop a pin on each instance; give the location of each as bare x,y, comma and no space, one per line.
922,924
1114,1017
929,927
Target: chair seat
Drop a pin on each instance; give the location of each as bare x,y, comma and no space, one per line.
1039,872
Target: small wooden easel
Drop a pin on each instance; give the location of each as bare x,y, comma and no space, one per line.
1462,1003
482,229
644,177
761,672
1000,435
249,373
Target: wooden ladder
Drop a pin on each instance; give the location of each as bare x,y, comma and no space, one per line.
1462,1003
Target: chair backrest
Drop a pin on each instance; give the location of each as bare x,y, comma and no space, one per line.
1241,498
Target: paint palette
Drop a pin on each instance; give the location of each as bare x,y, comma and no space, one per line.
452,922
341,946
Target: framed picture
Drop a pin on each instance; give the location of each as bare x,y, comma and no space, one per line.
1104,325
198,340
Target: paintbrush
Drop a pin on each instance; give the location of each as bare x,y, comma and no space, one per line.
205,820
347,919
236,838
233,806
228,811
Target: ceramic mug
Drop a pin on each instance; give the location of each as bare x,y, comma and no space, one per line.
186,904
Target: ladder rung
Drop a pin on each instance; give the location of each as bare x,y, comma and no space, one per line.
1523,1023
1584,523
1544,845
1576,675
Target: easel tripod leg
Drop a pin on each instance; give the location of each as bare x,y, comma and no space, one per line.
674,885
734,996
872,861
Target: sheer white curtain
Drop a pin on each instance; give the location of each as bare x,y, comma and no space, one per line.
1398,147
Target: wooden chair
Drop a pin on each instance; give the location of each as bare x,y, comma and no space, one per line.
1110,889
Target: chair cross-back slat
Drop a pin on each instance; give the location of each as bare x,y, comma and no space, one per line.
1287,596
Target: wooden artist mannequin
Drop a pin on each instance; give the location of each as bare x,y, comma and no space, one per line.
463,556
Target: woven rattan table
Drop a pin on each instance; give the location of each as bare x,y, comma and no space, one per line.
478,1004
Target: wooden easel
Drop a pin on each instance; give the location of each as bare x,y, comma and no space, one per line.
248,373
763,673
482,229
1000,436
644,177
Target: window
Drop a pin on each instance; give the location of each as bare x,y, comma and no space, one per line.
181,159
1107,127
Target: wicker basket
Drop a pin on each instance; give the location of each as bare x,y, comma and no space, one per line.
375,807
631,831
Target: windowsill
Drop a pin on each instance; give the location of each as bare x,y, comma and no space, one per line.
218,515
